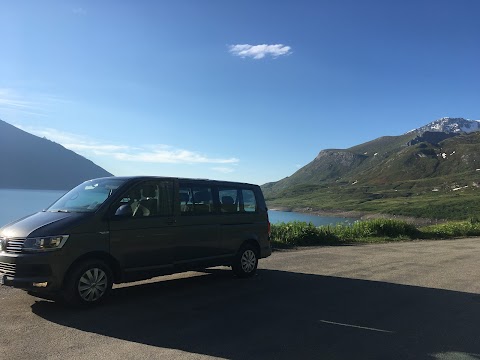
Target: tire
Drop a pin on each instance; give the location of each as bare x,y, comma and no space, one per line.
88,284
246,261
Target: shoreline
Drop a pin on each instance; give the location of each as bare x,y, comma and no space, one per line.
326,213
359,215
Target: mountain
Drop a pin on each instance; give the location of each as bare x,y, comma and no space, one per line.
30,162
438,163
450,125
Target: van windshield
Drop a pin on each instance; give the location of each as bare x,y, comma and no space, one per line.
86,197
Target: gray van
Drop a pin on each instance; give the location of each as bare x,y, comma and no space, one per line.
121,229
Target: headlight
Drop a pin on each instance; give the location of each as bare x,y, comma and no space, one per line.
45,243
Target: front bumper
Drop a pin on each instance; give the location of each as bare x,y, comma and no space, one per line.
26,283
29,271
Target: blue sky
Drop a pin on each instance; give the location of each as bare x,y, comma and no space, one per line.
247,90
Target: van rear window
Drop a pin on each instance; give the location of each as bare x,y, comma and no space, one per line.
249,201
237,200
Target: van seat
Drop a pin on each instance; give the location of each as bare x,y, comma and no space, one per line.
203,202
228,204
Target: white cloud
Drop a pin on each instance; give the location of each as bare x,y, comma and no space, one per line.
163,154
97,148
169,155
14,101
259,51
72,141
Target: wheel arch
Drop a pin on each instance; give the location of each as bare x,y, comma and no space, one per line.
97,255
253,242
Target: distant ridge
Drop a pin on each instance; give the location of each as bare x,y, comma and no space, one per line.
30,162
389,158
432,171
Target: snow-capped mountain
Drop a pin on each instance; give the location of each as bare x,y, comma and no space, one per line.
450,125
448,148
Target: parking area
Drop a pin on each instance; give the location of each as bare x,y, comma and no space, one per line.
416,300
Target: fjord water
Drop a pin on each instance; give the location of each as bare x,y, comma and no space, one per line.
17,203
276,217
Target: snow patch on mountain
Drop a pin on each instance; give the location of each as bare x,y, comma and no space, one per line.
450,125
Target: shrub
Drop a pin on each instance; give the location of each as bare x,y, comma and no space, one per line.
452,230
300,233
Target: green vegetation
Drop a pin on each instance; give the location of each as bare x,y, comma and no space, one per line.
452,230
389,175
380,230
421,198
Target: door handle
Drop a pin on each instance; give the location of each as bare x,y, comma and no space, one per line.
171,221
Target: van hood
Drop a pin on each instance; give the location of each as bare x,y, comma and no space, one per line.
42,224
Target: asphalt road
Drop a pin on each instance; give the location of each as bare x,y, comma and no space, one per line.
417,300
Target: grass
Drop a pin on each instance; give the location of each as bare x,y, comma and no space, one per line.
379,230
406,199
453,230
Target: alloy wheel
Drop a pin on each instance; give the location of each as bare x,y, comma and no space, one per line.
92,284
248,261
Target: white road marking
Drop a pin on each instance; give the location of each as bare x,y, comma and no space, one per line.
356,326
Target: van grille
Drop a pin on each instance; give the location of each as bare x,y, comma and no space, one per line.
7,269
13,246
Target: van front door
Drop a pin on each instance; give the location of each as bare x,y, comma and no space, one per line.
143,229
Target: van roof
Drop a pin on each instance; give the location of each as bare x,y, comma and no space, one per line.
146,177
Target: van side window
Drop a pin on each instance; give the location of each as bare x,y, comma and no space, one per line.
150,198
196,200
249,202
229,200
237,200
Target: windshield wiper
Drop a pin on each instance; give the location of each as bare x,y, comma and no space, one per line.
60,211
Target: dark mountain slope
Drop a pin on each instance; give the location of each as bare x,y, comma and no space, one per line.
30,162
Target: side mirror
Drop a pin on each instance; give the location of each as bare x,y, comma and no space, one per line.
124,211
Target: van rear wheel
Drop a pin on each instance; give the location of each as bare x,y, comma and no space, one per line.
89,283
246,261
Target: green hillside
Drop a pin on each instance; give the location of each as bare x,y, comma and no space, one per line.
412,174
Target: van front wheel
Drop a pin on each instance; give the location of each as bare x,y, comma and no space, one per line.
246,261
89,283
